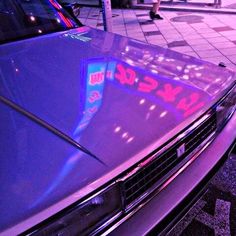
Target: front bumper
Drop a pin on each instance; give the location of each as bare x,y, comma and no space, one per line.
158,213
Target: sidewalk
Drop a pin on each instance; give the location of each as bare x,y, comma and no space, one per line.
211,37
227,6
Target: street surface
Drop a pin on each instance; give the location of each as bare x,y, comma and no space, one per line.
215,212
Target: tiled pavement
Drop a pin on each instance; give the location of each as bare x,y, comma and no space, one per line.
211,37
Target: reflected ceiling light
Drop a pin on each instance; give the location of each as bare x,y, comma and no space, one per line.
142,101
179,68
151,108
32,18
186,71
130,139
186,77
163,114
117,129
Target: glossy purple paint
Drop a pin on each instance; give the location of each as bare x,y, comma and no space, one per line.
49,77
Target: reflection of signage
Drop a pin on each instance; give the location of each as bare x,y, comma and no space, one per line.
184,100
94,74
96,78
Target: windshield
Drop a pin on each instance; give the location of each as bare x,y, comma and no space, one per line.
28,18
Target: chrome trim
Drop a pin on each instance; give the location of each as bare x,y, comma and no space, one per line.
159,184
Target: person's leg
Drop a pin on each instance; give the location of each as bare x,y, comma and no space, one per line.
154,12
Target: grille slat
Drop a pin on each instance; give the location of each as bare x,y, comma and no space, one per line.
151,174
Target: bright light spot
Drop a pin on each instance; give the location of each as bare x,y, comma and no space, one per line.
136,80
176,78
142,101
130,139
163,114
179,68
32,18
17,70
186,71
186,77
117,129
58,20
218,80
198,74
129,61
126,48
160,58
190,66
151,108
40,31
125,135
154,71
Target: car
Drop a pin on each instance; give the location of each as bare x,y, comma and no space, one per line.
100,133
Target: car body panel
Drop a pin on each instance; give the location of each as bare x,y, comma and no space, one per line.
37,168
77,84
105,92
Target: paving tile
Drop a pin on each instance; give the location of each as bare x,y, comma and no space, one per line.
231,37
222,28
156,38
192,36
197,41
224,45
229,33
217,40
191,53
151,33
217,60
210,35
182,49
180,43
202,47
208,53
148,28
147,22
232,58
231,66
228,51
140,15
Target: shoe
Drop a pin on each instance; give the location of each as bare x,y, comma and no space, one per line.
154,16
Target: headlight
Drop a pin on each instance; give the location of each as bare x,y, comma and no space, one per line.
86,217
226,108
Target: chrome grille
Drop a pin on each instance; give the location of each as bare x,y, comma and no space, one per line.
152,173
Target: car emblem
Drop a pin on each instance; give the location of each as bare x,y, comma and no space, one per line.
181,150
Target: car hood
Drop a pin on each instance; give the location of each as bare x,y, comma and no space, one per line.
114,96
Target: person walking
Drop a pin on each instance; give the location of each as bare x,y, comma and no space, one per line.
154,15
